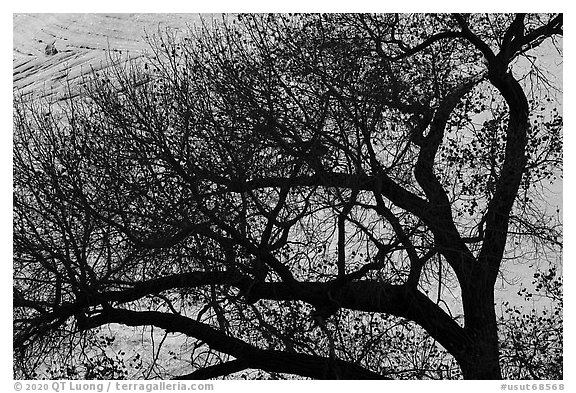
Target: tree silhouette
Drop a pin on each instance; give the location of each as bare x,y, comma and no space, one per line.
295,194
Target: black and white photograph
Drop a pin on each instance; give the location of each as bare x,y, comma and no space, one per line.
287,196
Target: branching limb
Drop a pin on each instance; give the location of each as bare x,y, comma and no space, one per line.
253,357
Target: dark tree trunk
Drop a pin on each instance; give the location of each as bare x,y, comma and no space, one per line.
482,350
483,359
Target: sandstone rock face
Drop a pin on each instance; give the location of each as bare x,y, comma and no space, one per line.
51,51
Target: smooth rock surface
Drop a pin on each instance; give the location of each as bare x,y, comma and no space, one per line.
52,50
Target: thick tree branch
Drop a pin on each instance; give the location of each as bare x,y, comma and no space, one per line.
368,296
447,237
407,52
522,42
415,265
390,189
267,360
342,216
182,280
474,39
499,207
372,296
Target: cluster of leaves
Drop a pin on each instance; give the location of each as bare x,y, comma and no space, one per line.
531,342
94,357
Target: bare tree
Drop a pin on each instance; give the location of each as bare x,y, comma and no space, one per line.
305,195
